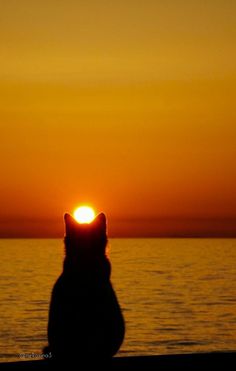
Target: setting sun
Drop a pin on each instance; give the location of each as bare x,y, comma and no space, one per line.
84,214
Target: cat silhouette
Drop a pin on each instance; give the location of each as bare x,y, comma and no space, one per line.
85,319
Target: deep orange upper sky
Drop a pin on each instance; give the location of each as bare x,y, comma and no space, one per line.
126,105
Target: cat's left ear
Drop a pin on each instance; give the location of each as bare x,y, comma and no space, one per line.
70,224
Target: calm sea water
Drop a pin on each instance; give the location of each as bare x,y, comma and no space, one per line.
178,295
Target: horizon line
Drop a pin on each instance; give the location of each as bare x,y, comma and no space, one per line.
161,227
132,236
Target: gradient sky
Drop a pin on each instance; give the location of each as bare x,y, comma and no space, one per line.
125,105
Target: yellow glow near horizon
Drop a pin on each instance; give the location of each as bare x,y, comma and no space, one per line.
84,214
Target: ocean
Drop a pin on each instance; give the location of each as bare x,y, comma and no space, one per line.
177,295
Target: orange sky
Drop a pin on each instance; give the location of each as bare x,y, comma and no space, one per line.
126,105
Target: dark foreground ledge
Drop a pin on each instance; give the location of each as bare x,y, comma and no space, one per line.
208,361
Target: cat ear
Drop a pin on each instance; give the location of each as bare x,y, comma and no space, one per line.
101,222
100,230
70,224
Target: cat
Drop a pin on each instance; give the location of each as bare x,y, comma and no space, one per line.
85,319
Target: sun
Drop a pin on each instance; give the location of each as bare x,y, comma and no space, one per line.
84,214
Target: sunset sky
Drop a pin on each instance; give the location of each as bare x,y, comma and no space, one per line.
128,106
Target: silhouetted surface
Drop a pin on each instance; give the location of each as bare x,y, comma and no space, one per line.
188,362
85,319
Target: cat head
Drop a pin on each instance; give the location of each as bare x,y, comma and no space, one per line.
85,239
